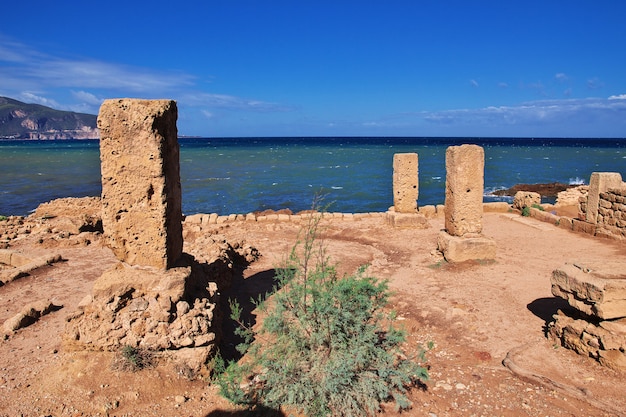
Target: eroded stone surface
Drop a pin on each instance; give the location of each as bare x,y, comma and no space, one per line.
461,249
599,183
141,193
605,341
405,182
150,308
596,290
465,166
526,199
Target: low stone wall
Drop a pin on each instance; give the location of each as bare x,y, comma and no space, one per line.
430,211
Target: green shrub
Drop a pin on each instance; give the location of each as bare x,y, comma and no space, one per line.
538,207
2,218
326,345
133,359
526,211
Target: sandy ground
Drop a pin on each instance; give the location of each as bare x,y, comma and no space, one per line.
476,314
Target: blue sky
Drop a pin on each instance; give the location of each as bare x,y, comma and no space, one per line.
330,68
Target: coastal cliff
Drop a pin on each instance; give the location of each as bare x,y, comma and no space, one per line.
33,121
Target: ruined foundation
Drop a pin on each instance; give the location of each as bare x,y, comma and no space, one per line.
595,325
156,297
462,239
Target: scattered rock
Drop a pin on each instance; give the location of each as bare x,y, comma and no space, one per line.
29,315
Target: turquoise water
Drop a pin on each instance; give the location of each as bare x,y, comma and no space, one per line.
240,175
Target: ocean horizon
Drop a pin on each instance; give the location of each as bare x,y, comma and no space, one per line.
354,174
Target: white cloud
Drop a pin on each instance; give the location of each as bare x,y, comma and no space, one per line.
618,97
594,83
561,77
87,97
29,97
228,102
27,69
532,113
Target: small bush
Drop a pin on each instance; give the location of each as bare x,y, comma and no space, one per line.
133,359
326,346
2,218
526,211
538,207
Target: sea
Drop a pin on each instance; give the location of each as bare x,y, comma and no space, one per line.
349,174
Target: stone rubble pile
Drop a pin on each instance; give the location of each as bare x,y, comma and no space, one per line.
596,323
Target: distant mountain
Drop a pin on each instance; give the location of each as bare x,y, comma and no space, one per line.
33,121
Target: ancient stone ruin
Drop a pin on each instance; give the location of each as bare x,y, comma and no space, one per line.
156,297
141,193
405,211
405,182
462,238
523,199
595,325
602,212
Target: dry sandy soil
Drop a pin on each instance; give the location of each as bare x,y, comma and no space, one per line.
476,315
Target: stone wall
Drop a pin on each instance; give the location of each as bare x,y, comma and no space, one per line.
609,217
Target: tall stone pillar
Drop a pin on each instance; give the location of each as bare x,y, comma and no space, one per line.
404,212
465,167
141,192
405,182
462,239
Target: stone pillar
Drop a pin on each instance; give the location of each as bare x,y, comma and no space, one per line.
600,182
462,239
405,182
465,166
141,193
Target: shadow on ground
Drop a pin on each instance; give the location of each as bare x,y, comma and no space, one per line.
545,308
244,291
257,412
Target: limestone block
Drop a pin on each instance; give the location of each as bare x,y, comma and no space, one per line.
465,167
407,220
599,183
596,290
123,279
428,211
460,249
526,199
405,182
496,207
141,193
604,341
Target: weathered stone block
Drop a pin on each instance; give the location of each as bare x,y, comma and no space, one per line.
526,199
596,290
583,226
460,249
465,167
599,183
405,182
496,207
141,193
428,211
604,341
408,220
